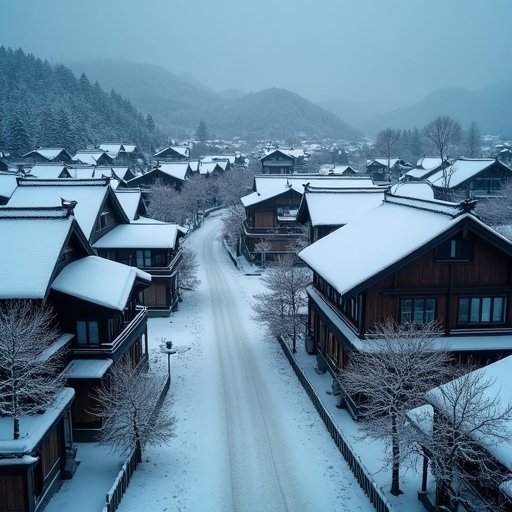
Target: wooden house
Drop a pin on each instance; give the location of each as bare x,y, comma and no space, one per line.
425,167
325,209
121,153
284,161
271,211
173,154
385,171
338,169
168,174
93,157
434,261
49,171
45,155
471,177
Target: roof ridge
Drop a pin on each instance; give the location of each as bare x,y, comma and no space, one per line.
60,182
435,206
35,212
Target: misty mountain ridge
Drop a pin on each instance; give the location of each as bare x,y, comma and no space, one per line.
490,107
178,105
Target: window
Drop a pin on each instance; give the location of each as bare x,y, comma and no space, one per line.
143,258
87,332
105,219
456,248
418,310
481,310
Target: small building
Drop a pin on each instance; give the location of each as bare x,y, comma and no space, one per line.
93,157
169,174
385,171
45,155
49,171
338,170
173,154
284,161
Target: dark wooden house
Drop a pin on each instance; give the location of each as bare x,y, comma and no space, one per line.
284,161
173,154
170,174
432,262
43,155
93,157
383,170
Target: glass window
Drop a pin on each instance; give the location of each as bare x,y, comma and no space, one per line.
481,310
143,258
87,332
457,248
81,332
419,310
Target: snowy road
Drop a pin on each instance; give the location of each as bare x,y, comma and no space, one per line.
247,438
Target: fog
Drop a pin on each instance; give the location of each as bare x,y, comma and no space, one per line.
394,50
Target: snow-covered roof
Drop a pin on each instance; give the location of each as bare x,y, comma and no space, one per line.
349,256
339,207
268,186
140,236
129,148
418,190
293,153
81,171
90,156
8,183
48,170
105,171
89,195
32,427
335,169
177,170
112,148
216,158
384,161
428,163
129,199
31,240
208,166
182,150
461,170
497,375
48,153
87,368
98,280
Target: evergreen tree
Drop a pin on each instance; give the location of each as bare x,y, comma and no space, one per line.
202,134
18,139
150,124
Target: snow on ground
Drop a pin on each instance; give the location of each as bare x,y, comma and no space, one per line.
247,436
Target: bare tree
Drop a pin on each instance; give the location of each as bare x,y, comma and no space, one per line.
29,370
126,402
469,412
442,133
282,307
399,364
188,270
166,204
263,247
387,141
232,225
473,141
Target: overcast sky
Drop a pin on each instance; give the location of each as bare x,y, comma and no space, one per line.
322,49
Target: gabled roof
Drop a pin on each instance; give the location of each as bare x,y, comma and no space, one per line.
217,158
31,240
91,156
81,171
268,185
462,170
365,249
89,195
176,170
290,153
416,189
8,183
141,236
336,169
383,161
100,281
49,171
424,167
337,207
179,150
112,147
209,166
48,153
132,202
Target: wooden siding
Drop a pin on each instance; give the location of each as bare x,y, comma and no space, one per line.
156,294
13,493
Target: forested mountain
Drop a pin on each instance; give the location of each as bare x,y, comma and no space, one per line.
45,105
491,108
179,105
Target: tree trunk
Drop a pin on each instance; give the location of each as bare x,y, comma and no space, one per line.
16,428
395,447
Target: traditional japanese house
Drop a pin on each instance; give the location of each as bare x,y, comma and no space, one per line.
271,211
49,171
411,260
93,157
170,174
425,167
121,153
383,171
284,161
173,154
325,209
338,169
44,155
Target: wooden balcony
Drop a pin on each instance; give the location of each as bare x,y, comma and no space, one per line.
281,231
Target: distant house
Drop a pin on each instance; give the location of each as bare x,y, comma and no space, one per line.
424,168
325,209
49,171
169,174
381,173
93,157
284,161
271,211
337,169
433,261
173,154
43,155
120,152
471,177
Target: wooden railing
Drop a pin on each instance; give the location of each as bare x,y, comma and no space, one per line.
362,475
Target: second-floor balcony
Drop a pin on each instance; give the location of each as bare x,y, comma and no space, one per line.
283,230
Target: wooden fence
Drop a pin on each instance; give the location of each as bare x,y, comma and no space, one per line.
116,493
362,475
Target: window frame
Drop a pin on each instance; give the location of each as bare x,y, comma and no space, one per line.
87,335
475,304
413,311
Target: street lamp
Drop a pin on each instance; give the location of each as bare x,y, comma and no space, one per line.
166,348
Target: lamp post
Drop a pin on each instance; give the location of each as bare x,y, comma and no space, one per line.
166,348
